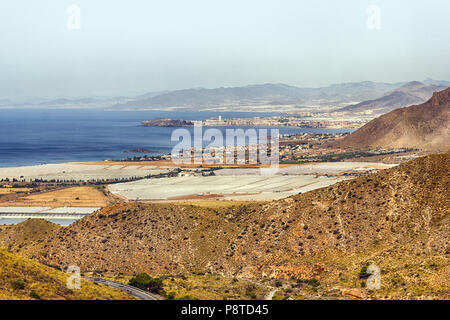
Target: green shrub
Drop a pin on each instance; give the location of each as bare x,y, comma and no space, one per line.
363,272
141,280
145,282
18,285
187,297
171,295
35,295
314,283
278,283
250,292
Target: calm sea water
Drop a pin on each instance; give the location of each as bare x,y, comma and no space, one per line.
29,137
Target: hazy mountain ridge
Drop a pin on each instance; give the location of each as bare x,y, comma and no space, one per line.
265,94
413,92
444,83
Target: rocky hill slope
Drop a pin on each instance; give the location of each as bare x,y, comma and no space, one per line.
425,126
21,235
156,238
397,218
404,207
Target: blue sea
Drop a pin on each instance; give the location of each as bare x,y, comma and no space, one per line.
30,136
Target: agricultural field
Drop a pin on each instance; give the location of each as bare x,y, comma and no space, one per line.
69,197
330,168
240,187
14,190
79,172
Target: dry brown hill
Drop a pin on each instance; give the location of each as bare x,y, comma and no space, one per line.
425,126
397,218
156,238
30,231
403,207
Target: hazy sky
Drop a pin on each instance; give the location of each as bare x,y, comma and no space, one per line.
134,46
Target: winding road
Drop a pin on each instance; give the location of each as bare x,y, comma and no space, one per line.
135,292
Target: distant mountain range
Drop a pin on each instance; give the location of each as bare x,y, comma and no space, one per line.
413,92
87,102
425,126
437,82
376,97
266,94
5,101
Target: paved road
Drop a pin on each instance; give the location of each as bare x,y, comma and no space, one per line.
136,292
270,294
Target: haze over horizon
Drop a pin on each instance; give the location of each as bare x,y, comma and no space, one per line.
124,48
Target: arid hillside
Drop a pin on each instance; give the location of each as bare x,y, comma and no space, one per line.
25,279
21,235
397,218
425,126
153,238
403,210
